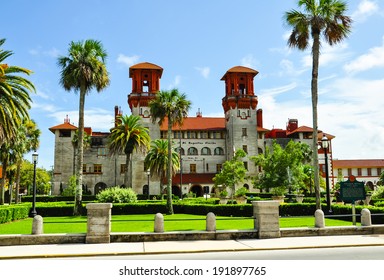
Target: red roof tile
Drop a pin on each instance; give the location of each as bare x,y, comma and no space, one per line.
358,163
63,126
197,123
145,65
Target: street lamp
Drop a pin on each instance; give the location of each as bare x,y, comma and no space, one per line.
33,212
324,145
148,173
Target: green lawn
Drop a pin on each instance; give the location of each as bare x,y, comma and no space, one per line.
145,223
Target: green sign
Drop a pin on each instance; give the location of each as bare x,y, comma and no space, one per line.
352,190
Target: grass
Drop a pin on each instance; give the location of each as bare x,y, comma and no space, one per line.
145,223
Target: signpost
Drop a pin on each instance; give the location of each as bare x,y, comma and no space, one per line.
351,191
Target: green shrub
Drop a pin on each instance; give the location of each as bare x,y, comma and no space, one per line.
12,213
378,193
117,195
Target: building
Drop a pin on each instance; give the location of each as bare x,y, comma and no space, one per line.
365,170
203,143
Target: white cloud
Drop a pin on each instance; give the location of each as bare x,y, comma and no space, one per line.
53,52
204,71
128,60
277,90
249,61
365,9
328,55
98,119
374,58
175,83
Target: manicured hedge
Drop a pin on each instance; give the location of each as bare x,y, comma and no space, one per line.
12,213
55,198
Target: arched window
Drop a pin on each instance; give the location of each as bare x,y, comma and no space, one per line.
180,151
205,151
192,151
219,151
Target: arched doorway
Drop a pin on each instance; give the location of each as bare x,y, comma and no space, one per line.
197,190
100,186
176,191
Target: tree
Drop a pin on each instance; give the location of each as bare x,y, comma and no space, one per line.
320,17
15,100
43,179
128,135
173,107
82,70
157,160
283,168
233,172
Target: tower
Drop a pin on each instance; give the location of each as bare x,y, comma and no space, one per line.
240,108
145,85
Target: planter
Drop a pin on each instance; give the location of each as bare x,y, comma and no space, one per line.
223,200
241,200
279,198
367,199
299,198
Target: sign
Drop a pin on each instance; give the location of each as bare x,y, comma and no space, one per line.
352,190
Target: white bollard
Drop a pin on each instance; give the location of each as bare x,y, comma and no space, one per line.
366,220
319,219
37,225
211,222
159,222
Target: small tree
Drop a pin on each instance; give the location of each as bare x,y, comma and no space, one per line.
232,172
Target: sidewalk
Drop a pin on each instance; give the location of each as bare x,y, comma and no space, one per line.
164,247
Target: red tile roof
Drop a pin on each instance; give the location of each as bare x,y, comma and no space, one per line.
240,69
358,163
63,126
197,123
145,65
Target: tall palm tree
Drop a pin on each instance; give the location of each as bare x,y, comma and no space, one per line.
15,100
82,70
128,135
173,107
157,160
324,18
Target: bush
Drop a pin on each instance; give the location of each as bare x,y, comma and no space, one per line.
117,195
12,213
378,193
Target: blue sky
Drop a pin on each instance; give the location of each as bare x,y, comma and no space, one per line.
196,42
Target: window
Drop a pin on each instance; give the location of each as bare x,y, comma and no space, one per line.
218,168
192,168
180,151
206,151
64,133
207,167
243,132
349,171
163,134
358,171
246,165
101,151
204,134
191,134
97,168
84,168
123,168
369,171
245,149
340,172
192,151
219,151
378,171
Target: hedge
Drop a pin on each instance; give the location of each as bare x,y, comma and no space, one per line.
12,213
56,198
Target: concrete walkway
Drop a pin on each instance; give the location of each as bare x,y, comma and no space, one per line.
164,247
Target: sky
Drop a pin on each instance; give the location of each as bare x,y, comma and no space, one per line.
196,42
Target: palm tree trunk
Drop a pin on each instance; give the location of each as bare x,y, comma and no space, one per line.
2,185
169,177
79,175
17,198
128,168
315,73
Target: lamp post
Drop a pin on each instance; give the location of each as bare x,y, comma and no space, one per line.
324,145
148,173
33,212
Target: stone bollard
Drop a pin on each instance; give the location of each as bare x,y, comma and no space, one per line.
159,222
366,220
37,225
319,219
211,222
98,223
266,215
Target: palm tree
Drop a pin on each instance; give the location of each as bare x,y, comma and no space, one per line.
14,96
320,18
174,107
82,70
128,135
157,160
